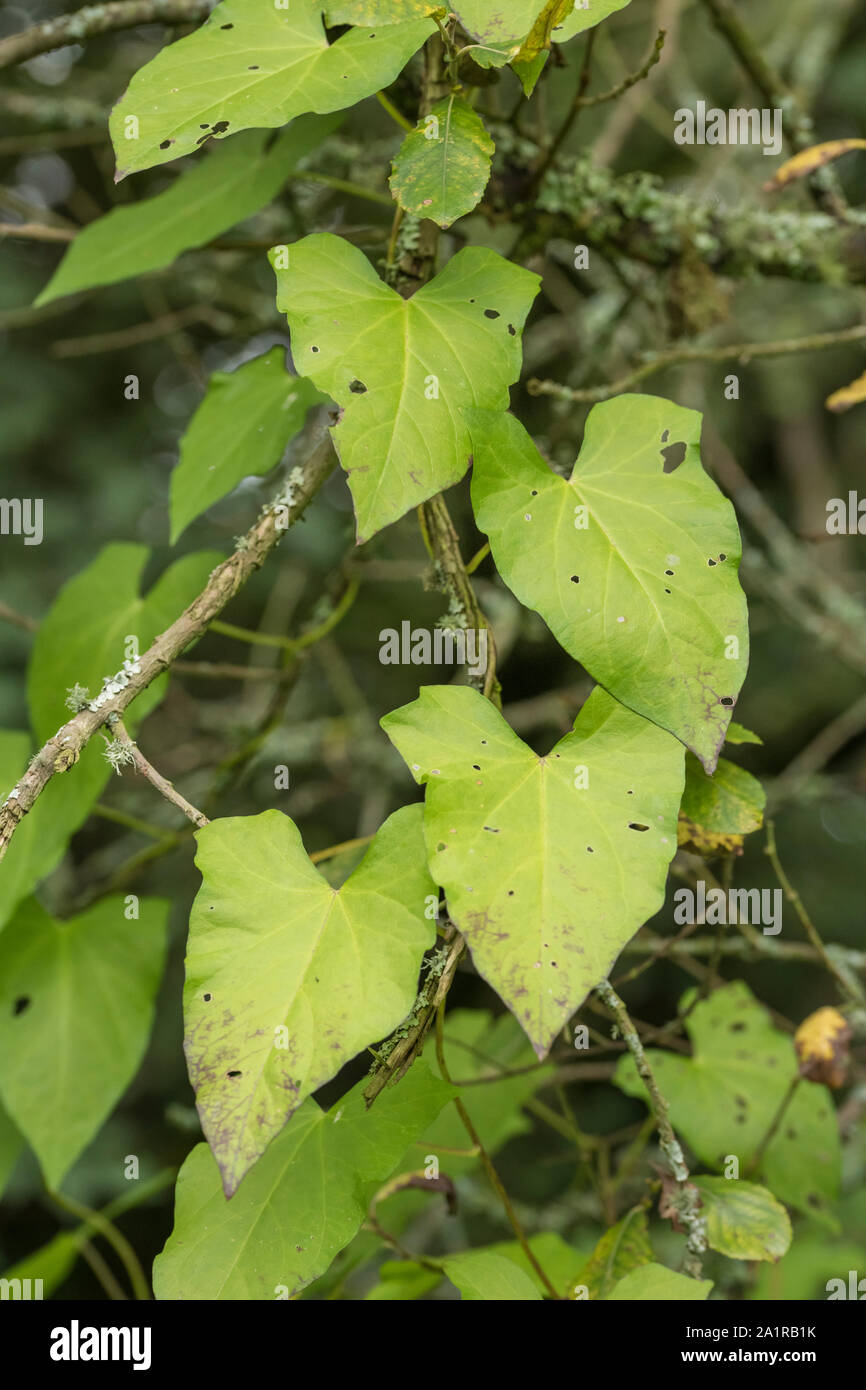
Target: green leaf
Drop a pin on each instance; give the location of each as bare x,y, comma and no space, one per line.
640,580
549,864
657,1283
744,1221
76,1009
252,65
485,1277
478,1045
558,1259
226,187
441,169
52,1263
302,1202
402,369
379,11
403,1281
84,637
288,978
585,17
738,734
42,836
241,428
731,802
622,1248
11,1144
724,1099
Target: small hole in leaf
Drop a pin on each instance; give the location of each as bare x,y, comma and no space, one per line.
164,144
440,847
227,26
575,579
233,1073
477,767
669,572
511,892
494,830
590,850
666,436
726,700
357,387
21,1004
667,591
534,492
314,349
207,998
736,1028
673,455
253,67
723,557
711,564
220,127
512,330
491,313
633,825
204,126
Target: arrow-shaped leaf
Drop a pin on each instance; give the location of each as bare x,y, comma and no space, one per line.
549,864
639,580
287,978
402,369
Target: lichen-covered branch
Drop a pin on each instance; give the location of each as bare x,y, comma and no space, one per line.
62,751
92,20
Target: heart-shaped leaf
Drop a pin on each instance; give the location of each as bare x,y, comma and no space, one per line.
76,1009
441,169
717,811
241,428
252,64
743,1221
724,1099
287,978
402,369
227,186
301,1204
549,864
639,580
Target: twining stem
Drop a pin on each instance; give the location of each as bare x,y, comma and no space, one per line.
102,1223
799,907
486,1160
99,1222
688,1202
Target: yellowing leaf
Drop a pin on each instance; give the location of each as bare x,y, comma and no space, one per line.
852,394
743,1220
442,167
822,1047
807,161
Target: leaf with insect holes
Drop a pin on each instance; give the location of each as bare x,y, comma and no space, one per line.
639,581
76,1009
549,864
303,1202
724,1099
242,427
744,1221
252,64
225,187
441,169
288,978
402,369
